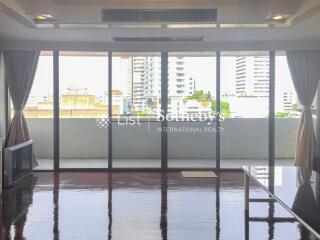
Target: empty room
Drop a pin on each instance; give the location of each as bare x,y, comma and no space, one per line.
159,120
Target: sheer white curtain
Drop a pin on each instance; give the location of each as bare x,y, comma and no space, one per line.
305,71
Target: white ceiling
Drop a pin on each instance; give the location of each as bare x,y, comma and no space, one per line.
301,31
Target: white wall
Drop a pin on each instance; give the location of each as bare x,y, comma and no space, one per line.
163,47
240,139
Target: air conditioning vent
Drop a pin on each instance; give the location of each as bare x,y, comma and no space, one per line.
159,16
158,39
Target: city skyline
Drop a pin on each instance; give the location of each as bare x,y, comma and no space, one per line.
76,70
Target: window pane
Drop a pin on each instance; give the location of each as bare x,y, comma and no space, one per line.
191,110
136,86
39,112
83,109
136,103
245,93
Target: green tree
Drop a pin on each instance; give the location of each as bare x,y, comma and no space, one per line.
224,108
144,113
294,107
199,95
282,115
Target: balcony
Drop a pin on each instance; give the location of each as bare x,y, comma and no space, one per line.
83,144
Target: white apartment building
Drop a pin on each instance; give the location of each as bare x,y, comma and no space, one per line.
197,107
117,100
137,91
152,83
126,75
252,76
288,100
33,101
142,88
180,83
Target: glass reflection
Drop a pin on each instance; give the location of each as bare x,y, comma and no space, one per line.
56,186
162,205
110,187
218,229
15,206
297,189
305,204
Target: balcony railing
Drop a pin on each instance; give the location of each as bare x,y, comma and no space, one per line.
240,139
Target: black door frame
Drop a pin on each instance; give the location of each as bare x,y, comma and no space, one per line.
164,108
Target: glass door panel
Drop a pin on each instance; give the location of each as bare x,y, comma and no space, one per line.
245,92
191,110
39,112
83,109
136,105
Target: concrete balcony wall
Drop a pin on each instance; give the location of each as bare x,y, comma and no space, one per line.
240,139
248,138
199,144
82,138
137,141
244,138
285,137
41,132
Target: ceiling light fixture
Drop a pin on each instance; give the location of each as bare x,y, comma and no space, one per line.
278,18
43,18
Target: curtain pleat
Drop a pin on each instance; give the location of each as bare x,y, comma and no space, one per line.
20,69
305,71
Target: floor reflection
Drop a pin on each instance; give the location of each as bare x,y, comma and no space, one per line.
164,206
110,206
56,185
15,205
84,205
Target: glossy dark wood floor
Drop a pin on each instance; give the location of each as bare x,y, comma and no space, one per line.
142,206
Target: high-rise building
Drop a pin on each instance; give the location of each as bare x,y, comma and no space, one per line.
126,76
180,83
137,90
142,82
252,76
287,101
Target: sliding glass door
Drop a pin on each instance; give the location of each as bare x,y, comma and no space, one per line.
39,112
139,90
83,104
136,105
245,97
192,110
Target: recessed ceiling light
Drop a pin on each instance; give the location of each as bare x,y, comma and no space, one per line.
277,17
43,18
280,18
